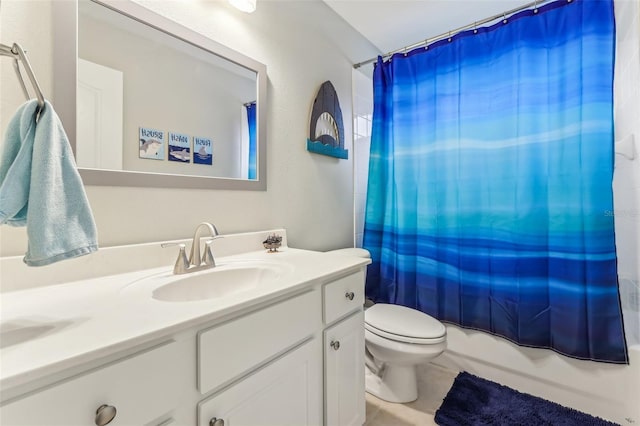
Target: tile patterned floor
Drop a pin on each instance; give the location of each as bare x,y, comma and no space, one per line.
433,384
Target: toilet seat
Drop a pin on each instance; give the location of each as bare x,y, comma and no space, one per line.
402,324
404,339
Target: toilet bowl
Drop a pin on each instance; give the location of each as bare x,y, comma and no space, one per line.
397,339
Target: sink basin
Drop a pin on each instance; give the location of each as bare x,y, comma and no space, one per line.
18,331
221,281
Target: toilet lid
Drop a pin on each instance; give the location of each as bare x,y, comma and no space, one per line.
402,321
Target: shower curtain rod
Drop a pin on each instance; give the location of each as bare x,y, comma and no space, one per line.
449,34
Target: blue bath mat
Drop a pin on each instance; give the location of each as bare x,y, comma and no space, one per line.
475,401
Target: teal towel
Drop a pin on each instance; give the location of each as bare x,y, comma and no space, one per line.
40,188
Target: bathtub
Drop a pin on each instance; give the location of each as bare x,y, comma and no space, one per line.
604,390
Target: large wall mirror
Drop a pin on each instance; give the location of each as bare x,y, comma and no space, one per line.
148,102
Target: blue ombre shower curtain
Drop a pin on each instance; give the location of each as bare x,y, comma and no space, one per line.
490,181
251,118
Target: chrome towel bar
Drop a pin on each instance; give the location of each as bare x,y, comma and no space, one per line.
18,54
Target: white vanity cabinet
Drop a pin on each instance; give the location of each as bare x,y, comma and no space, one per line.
344,372
138,390
289,389
286,392
279,344
230,349
294,360
344,351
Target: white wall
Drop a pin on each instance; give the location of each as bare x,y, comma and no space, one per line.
303,43
362,116
626,180
24,22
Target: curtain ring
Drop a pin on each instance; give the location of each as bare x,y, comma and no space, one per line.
426,44
449,39
475,27
504,15
535,6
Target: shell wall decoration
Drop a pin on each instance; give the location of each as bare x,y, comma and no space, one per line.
326,131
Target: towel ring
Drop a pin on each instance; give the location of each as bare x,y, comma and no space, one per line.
17,53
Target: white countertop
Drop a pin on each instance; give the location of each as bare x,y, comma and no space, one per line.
81,321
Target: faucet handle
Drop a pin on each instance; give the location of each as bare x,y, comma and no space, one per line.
207,256
182,263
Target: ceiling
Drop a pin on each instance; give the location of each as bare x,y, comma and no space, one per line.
393,24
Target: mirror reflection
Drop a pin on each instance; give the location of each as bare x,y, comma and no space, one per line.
151,102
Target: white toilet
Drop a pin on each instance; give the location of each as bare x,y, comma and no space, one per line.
397,339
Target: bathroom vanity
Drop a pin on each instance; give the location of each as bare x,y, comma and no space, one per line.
283,347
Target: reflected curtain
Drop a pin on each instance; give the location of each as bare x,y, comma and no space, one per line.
251,118
490,181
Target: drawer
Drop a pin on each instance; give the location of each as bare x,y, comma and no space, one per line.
343,296
228,350
141,388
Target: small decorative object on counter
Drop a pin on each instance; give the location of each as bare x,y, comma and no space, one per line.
272,243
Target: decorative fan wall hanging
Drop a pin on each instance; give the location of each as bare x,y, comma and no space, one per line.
326,131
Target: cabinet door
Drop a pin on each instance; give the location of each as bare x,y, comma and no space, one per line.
286,392
344,372
222,357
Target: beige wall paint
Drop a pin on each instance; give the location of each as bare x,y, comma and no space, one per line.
303,43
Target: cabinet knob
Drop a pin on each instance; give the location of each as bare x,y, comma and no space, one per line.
335,344
349,295
216,422
104,414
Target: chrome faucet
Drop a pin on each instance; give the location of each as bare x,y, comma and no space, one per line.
194,256
195,262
